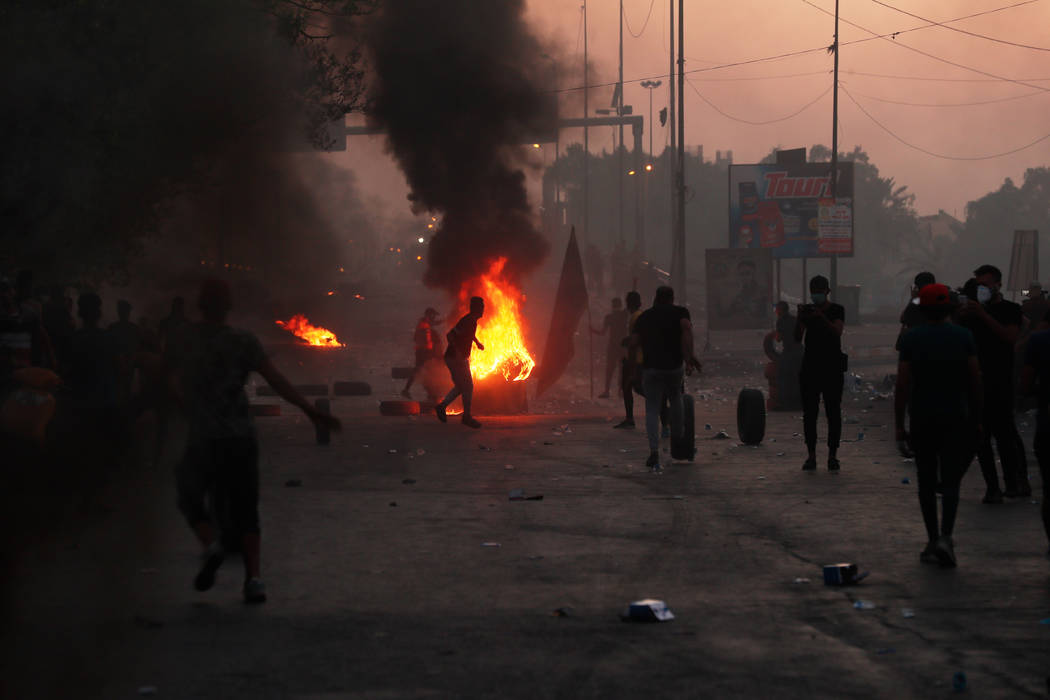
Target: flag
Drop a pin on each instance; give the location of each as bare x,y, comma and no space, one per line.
569,306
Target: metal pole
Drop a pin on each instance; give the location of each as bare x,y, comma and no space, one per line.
680,274
835,146
672,170
586,140
619,113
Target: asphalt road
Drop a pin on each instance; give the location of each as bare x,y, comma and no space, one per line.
381,584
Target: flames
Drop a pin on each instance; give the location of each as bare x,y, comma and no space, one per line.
501,329
309,333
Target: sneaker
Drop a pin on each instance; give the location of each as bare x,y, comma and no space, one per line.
929,555
833,464
654,462
626,423
944,548
992,496
665,431
211,560
407,394
254,591
440,411
603,395
470,422
809,465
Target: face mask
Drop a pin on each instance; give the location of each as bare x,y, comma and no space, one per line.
984,294
819,298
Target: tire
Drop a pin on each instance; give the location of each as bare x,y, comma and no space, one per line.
399,408
751,416
401,372
684,448
352,389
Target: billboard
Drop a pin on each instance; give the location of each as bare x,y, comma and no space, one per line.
739,288
787,208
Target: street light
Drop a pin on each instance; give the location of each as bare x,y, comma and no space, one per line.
651,85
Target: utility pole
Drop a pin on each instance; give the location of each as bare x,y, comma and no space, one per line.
619,113
835,146
672,170
646,171
586,141
678,267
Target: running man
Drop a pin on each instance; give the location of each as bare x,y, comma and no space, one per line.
461,339
427,346
209,366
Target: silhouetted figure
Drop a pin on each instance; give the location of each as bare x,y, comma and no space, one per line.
461,339
175,322
92,377
613,326
823,369
126,340
1035,307
427,344
783,368
210,364
1035,375
665,335
996,324
57,317
631,360
912,316
939,380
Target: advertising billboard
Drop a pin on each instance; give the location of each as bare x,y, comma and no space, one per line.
739,288
788,209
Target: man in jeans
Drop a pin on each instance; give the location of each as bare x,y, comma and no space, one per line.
995,323
939,379
823,366
461,339
665,335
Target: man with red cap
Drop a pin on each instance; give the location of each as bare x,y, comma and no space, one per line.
939,382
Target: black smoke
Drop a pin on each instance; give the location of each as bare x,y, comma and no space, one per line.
459,86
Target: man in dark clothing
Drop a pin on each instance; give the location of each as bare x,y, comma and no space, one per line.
665,335
461,339
174,323
1035,306
790,360
820,324
939,380
209,365
1035,374
125,336
427,344
912,316
995,324
92,376
614,327
631,359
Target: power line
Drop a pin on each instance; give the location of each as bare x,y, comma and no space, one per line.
962,31
647,17
932,153
939,80
754,123
951,104
891,39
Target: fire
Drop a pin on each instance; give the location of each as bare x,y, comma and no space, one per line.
501,329
311,334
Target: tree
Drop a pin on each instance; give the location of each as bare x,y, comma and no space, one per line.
113,108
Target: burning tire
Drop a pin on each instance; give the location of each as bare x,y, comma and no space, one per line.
751,416
399,408
353,389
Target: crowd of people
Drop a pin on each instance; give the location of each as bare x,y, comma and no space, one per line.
107,377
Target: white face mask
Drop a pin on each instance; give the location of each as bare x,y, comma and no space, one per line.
984,294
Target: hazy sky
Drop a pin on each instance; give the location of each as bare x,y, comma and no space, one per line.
894,84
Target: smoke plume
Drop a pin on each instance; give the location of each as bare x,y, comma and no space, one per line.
459,86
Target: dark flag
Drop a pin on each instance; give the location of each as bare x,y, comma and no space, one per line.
569,306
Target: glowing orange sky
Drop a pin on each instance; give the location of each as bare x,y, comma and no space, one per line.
718,33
